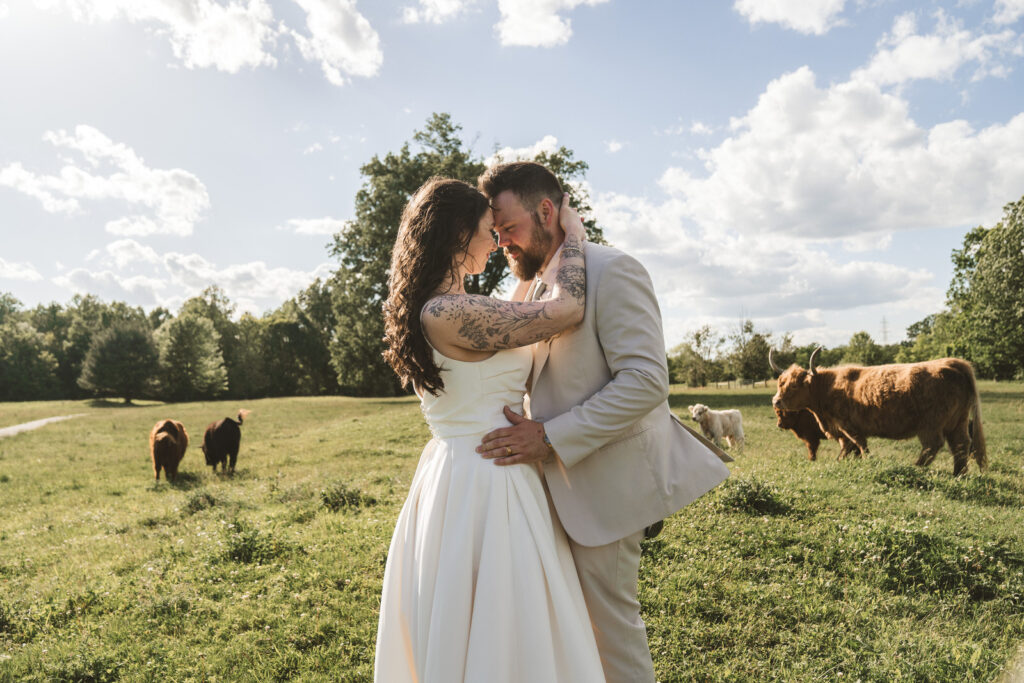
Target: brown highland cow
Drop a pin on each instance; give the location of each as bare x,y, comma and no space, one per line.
167,444
935,401
805,427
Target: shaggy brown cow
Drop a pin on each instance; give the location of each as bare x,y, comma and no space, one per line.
806,428
220,442
167,444
934,401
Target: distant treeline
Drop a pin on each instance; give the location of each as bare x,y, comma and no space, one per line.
93,348
983,322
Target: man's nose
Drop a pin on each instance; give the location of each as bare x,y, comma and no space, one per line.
503,240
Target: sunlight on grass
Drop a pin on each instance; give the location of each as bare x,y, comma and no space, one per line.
793,570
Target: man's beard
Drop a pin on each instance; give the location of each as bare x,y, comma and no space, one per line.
530,259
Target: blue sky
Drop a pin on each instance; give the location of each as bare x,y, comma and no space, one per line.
807,164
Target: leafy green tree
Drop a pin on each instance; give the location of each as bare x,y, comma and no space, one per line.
74,329
191,365
748,359
27,368
987,295
122,361
214,305
934,336
9,307
862,350
363,247
693,362
251,381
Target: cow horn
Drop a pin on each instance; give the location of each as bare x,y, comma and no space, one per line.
814,355
771,362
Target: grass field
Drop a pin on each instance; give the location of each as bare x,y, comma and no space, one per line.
866,569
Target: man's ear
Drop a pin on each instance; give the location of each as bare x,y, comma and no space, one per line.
548,213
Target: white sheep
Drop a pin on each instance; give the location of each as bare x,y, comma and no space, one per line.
719,423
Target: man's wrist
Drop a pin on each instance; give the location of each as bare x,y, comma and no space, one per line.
547,442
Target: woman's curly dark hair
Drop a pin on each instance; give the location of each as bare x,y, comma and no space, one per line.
437,224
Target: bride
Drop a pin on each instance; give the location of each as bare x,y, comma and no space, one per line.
480,583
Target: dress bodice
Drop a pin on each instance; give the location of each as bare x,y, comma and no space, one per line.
475,392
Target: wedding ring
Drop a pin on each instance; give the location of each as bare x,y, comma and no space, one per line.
508,451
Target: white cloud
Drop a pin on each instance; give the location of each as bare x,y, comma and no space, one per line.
806,16
202,33
38,187
547,144
18,271
126,270
5,11
1008,11
124,253
699,128
245,282
537,23
613,146
139,290
847,160
780,284
175,197
435,11
904,54
315,147
340,39
313,226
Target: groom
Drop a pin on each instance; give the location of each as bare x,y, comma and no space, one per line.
615,458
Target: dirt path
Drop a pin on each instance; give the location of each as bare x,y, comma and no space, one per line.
34,424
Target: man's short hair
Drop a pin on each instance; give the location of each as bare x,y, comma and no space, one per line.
529,181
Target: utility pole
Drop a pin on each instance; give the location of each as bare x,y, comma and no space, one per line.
885,331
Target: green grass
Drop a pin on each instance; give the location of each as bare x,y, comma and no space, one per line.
867,569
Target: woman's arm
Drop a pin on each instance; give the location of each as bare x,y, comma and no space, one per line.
481,323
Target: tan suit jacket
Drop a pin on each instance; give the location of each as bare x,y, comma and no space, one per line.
625,460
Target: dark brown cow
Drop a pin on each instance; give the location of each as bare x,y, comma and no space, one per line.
221,441
934,401
806,428
167,443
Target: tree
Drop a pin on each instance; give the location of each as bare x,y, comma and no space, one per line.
862,350
359,287
986,295
214,305
693,361
74,328
251,380
932,337
27,368
749,357
191,365
9,307
122,361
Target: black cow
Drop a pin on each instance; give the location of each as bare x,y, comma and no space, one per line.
220,443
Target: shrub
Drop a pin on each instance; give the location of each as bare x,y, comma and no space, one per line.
905,476
199,500
753,496
245,543
339,496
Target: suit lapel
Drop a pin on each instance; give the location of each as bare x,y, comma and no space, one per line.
541,349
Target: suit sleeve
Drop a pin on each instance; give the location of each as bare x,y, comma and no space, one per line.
628,324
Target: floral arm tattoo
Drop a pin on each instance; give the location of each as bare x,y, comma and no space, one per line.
483,323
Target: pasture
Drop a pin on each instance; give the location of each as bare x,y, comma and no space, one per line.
867,569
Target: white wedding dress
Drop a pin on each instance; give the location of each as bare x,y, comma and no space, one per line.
480,584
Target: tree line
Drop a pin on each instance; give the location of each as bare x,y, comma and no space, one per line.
328,339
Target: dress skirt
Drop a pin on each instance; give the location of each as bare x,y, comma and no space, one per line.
480,584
